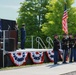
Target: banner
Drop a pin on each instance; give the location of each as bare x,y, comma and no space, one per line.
50,55
18,58
61,54
37,57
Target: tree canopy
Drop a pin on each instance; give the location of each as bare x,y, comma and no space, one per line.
32,14
44,17
54,17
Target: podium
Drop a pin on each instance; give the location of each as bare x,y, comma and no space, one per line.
10,44
10,40
13,34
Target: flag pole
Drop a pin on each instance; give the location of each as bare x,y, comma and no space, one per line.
64,22
67,17
64,19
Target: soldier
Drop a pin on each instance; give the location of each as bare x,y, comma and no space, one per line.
74,48
71,50
56,48
64,47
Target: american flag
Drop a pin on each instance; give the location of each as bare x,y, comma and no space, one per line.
64,21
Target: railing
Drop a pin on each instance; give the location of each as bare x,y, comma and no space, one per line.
50,42
34,42
40,42
37,40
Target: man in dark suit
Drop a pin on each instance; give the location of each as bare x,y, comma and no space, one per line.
74,48
56,48
23,36
71,50
64,47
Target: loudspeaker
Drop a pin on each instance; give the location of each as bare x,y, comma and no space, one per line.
8,24
10,44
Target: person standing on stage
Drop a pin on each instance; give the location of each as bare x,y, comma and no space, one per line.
56,47
65,47
23,36
74,47
71,50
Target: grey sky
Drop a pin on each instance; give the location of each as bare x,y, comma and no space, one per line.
9,8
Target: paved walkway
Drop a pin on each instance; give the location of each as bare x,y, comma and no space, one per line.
44,69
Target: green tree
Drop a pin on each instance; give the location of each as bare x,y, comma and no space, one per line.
71,20
54,15
32,14
45,16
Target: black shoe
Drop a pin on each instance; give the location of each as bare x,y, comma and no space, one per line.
70,62
64,62
55,63
74,60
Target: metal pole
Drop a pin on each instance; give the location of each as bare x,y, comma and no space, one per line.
38,43
32,40
3,46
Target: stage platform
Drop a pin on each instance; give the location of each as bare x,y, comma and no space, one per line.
30,50
28,57
43,69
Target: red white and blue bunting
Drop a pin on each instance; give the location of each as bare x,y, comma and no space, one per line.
61,54
19,58
37,57
50,55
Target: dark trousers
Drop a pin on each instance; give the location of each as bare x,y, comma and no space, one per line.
71,54
55,57
75,55
22,44
65,54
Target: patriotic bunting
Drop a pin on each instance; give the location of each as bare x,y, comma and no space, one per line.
37,57
18,58
50,55
61,54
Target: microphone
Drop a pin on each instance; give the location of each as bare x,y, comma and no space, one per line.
8,27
